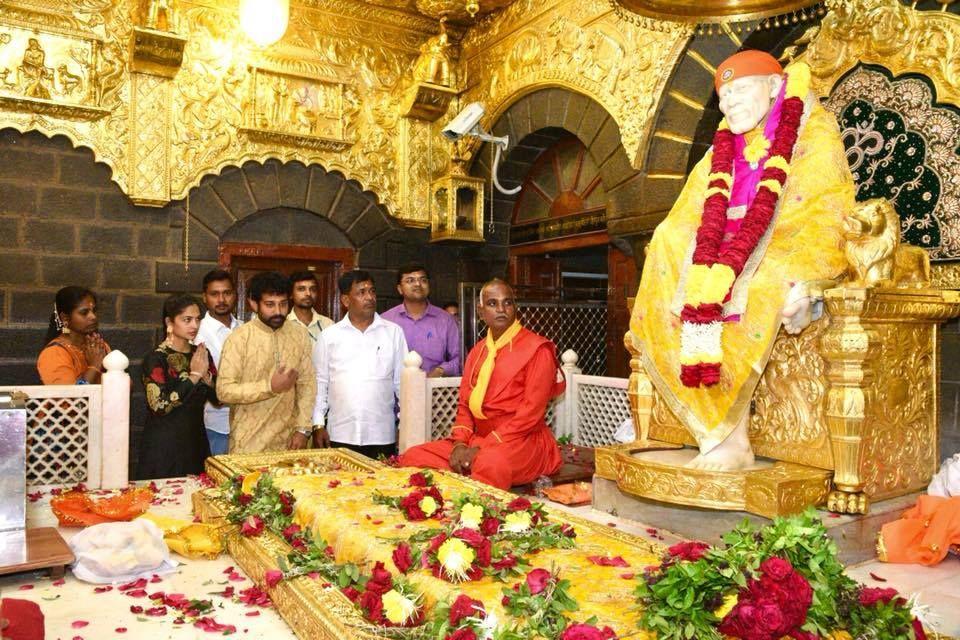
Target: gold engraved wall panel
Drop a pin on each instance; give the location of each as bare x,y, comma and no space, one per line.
579,45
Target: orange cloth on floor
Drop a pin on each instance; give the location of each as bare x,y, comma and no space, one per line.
78,509
924,533
62,363
516,445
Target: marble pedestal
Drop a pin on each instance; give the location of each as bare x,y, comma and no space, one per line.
855,535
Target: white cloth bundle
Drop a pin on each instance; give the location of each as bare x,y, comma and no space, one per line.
946,483
120,552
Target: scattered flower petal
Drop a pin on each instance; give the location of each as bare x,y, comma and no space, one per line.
79,624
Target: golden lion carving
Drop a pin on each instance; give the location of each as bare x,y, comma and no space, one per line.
874,253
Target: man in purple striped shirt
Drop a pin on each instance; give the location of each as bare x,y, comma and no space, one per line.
429,330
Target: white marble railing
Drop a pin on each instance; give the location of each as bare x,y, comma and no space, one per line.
589,411
79,433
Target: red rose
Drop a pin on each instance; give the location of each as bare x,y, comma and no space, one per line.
506,562
351,593
690,550
772,619
538,579
776,568
471,536
870,596
410,504
244,499
403,557
462,634
489,526
372,603
380,580
465,607
252,526
483,553
587,632
436,541
299,544
418,480
291,531
286,509
273,577
918,632
518,504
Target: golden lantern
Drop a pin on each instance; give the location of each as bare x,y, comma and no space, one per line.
456,202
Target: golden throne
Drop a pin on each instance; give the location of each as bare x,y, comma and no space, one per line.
848,411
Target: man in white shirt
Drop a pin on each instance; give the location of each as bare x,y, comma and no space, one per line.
358,362
304,296
220,298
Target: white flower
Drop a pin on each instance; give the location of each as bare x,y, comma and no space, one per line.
471,515
455,558
397,608
487,627
517,522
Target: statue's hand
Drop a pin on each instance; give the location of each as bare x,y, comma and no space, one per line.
798,315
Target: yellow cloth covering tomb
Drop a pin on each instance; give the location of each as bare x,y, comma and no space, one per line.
337,507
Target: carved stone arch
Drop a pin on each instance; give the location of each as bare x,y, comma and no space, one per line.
534,122
283,202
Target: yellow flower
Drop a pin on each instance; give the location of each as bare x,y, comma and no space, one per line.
249,482
471,515
729,602
397,608
840,635
456,558
516,522
756,149
429,506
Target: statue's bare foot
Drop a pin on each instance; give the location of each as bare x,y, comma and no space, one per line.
721,459
732,454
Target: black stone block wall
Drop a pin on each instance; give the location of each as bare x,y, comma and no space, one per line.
63,221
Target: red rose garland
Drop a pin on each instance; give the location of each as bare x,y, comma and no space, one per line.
714,271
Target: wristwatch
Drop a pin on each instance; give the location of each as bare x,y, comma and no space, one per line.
305,432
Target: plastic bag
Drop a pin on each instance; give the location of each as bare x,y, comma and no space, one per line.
120,552
946,483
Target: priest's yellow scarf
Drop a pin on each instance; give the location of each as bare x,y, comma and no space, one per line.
486,367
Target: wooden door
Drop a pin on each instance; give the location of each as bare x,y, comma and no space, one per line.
537,275
622,284
244,260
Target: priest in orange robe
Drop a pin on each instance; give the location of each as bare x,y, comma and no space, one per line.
500,436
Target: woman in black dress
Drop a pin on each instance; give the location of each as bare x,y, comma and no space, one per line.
179,379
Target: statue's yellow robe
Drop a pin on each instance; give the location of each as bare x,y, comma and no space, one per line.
803,244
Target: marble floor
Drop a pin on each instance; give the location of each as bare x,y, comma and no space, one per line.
937,587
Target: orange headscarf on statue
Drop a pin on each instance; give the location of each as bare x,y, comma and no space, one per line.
746,63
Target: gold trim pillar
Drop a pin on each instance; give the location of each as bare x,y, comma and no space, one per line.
845,347
157,56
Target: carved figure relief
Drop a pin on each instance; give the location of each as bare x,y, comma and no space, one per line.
46,66
435,64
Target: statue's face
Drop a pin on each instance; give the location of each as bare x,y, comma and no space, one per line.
746,101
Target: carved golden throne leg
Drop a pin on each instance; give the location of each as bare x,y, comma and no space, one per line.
639,390
845,347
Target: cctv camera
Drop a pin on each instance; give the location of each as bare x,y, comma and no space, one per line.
464,123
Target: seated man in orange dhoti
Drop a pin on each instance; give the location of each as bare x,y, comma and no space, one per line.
500,436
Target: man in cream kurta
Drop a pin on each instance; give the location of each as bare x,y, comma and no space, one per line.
266,375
